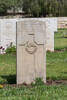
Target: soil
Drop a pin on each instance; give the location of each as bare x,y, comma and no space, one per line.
49,82
56,82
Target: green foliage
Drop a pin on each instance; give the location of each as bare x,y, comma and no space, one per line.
35,8
9,4
51,7
3,7
38,8
11,49
38,82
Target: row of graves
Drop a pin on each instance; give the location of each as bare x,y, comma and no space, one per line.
32,38
62,22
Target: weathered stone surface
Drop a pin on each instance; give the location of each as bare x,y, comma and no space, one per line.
31,51
0,37
8,32
51,27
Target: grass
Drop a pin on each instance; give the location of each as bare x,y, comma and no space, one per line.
56,70
7,69
61,39
41,92
57,65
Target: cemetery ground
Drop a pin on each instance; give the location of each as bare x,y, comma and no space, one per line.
56,86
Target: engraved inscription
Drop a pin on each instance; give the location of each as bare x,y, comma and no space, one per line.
30,29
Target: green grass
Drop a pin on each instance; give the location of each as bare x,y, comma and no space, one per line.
7,69
61,39
41,92
57,65
56,70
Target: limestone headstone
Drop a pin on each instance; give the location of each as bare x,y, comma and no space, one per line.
51,27
62,22
8,32
0,36
31,51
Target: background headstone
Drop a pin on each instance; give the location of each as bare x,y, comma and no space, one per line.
51,28
0,36
7,32
62,22
31,51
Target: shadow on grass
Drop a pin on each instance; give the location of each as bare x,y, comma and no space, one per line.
10,79
57,78
64,72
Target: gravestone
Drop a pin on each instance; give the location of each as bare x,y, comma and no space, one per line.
62,22
0,36
7,32
31,51
51,27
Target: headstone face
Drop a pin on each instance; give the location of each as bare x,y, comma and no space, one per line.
51,27
31,51
0,36
8,32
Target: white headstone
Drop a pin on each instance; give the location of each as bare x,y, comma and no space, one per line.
7,32
31,51
0,29
51,27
